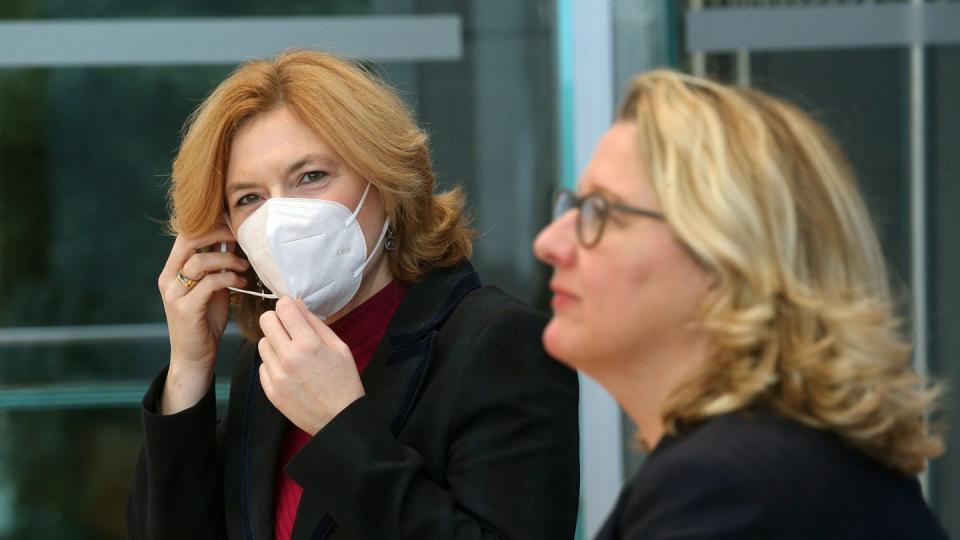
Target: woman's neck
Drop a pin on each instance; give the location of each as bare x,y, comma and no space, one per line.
642,383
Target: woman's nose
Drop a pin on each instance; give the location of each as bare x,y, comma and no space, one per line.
556,244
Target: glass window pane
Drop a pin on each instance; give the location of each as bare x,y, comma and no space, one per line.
85,155
865,107
943,224
63,473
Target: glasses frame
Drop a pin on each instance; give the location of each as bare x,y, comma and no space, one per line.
604,207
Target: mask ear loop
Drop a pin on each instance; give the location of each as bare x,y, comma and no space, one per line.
373,253
223,249
383,232
353,216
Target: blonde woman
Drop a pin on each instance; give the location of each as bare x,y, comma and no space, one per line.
716,271
382,392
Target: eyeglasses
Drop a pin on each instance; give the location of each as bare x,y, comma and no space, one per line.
594,209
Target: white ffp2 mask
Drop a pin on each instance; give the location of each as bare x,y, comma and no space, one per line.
312,249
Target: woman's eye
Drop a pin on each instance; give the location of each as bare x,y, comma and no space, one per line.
247,199
312,177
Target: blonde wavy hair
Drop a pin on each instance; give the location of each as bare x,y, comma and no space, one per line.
362,119
801,313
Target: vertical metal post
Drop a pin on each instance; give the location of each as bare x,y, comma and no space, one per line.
743,67
698,59
587,94
918,195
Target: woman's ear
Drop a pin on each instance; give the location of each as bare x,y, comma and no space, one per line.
710,279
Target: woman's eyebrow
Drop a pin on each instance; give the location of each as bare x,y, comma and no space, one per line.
310,158
590,187
233,188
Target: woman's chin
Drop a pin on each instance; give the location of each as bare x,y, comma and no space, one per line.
558,341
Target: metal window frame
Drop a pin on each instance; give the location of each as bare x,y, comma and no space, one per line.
718,30
199,41
27,336
83,396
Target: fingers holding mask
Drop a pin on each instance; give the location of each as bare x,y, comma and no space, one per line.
308,373
320,329
293,320
273,330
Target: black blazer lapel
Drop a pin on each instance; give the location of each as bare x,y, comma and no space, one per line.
264,429
395,376
391,381
396,372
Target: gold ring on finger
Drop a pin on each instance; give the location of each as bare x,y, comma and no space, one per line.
187,282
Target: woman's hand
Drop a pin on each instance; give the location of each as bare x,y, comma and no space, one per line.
308,373
197,313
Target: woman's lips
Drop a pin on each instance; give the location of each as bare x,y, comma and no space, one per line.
561,297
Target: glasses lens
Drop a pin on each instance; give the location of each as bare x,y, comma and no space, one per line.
563,202
592,213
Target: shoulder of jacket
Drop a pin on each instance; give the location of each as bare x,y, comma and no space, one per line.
490,321
488,305
760,451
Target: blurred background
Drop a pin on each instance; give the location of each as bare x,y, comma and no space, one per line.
515,94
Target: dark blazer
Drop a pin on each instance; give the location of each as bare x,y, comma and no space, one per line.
467,430
758,475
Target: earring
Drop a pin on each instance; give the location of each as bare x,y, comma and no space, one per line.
390,243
